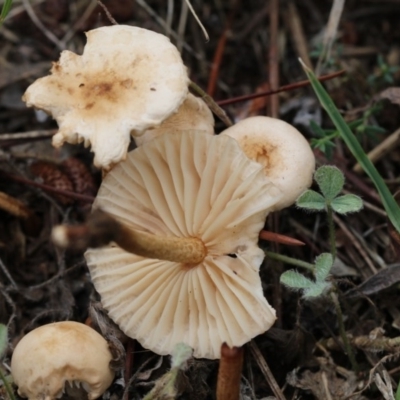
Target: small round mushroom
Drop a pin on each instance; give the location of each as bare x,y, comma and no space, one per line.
177,188
127,80
287,157
192,115
49,357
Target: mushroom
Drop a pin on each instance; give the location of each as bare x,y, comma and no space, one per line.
287,157
192,191
127,80
192,115
50,356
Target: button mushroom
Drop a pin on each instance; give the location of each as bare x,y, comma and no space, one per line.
49,357
127,80
182,187
285,154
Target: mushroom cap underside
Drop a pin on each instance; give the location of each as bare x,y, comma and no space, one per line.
187,185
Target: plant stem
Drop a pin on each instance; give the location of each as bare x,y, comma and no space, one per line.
342,331
7,386
331,227
290,260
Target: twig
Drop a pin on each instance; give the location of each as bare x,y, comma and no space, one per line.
182,25
273,57
214,107
219,52
356,244
28,135
73,195
255,351
381,150
108,14
77,25
284,88
7,274
163,24
50,35
296,29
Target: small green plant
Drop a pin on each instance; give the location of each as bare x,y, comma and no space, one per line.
165,387
361,127
5,10
330,181
389,203
321,269
3,347
383,74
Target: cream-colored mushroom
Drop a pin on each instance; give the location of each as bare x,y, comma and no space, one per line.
183,187
127,80
287,157
49,357
192,115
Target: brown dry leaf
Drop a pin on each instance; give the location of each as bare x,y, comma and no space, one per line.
380,281
392,94
13,73
52,175
330,382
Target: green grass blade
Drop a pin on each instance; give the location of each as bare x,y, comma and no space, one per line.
388,201
5,10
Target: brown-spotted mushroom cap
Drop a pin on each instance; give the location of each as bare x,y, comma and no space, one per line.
192,115
127,80
48,357
187,185
287,157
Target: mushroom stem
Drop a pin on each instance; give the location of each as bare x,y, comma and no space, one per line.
101,229
229,373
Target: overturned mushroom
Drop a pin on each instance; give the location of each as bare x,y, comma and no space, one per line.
127,80
192,115
186,190
282,150
53,355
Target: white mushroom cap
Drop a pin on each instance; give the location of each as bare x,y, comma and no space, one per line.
187,184
52,355
127,80
192,115
287,157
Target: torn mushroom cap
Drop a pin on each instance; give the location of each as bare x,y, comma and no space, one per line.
187,185
192,115
287,157
127,80
52,355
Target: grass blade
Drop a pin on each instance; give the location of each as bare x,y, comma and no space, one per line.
5,10
388,201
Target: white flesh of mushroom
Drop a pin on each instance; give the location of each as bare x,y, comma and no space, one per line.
127,80
192,115
283,151
49,357
187,185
